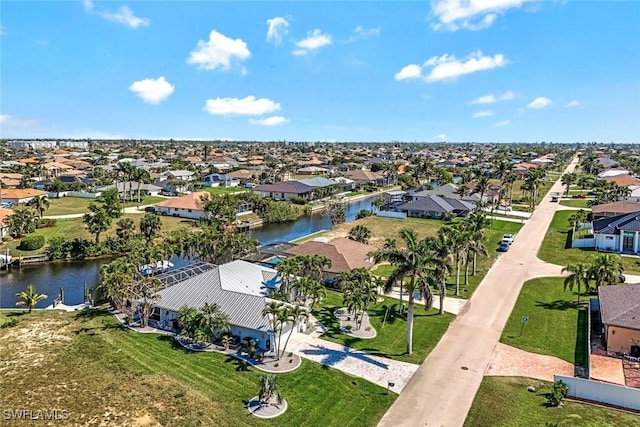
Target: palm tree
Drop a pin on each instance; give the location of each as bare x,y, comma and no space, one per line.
116,281
579,276
287,268
269,390
482,185
274,311
412,262
29,297
97,221
150,225
140,176
214,321
567,180
360,233
605,269
294,314
40,204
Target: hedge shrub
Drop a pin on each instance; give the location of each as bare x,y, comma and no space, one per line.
46,223
31,243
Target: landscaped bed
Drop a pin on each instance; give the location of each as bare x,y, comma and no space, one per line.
505,402
101,373
356,326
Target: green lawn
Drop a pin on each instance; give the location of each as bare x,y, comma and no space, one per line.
391,340
505,402
556,326
576,203
75,228
87,364
76,205
223,190
556,246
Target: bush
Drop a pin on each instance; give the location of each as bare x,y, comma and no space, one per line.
46,223
363,213
58,248
7,238
31,243
298,201
9,323
558,393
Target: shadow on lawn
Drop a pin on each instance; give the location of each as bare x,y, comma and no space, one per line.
581,352
559,304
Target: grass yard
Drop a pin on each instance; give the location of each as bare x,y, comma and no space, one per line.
556,326
505,402
75,228
76,205
391,341
556,246
102,374
577,203
517,187
223,190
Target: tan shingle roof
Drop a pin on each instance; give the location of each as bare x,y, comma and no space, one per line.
345,254
190,201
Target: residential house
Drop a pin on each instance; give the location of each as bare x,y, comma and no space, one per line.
131,187
618,233
189,206
614,209
240,290
620,313
180,175
362,177
345,254
20,195
244,176
436,207
312,170
624,180
221,179
522,169
285,190
447,191
4,221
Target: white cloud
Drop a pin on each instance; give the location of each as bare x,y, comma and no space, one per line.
249,106
152,91
219,51
269,121
124,15
411,71
8,120
361,33
502,123
2,30
483,113
471,15
571,104
508,95
448,67
314,41
440,137
539,103
485,99
278,28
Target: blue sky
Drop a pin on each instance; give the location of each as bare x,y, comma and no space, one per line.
454,70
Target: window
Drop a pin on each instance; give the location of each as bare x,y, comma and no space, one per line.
189,210
609,237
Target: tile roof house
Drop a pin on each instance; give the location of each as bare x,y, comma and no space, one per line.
623,180
284,190
436,207
4,221
614,209
620,233
239,288
20,195
188,206
620,313
345,254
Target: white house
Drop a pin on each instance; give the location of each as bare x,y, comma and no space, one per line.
239,288
189,206
620,233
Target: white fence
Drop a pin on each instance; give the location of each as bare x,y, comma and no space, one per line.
596,391
392,214
83,194
583,243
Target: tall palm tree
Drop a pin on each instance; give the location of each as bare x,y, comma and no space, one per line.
214,321
287,269
274,311
413,263
580,273
140,176
605,269
40,204
29,297
294,314
567,180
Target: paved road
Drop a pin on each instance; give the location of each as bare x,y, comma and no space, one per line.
129,210
442,390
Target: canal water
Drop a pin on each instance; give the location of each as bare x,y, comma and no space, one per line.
72,276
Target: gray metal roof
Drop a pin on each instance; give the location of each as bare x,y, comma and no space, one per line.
239,288
318,181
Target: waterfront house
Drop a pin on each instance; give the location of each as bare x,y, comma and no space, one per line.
190,206
436,207
4,221
240,289
285,190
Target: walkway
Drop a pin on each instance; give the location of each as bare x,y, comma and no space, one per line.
512,362
442,390
129,210
378,370
451,305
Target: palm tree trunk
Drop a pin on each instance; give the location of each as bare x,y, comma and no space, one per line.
457,275
474,263
279,339
400,306
443,293
410,324
290,333
466,272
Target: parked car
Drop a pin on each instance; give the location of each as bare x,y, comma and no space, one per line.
150,209
555,198
505,208
508,238
591,193
621,278
504,247
578,196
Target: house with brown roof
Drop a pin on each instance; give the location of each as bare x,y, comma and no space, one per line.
190,206
613,209
361,176
620,313
4,221
20,195
345,254
285,190
623,180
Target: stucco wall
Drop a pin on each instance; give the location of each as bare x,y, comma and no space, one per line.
621,339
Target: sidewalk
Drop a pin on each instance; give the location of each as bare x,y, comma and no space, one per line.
451,305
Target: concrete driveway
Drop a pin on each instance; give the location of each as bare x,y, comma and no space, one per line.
442,390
